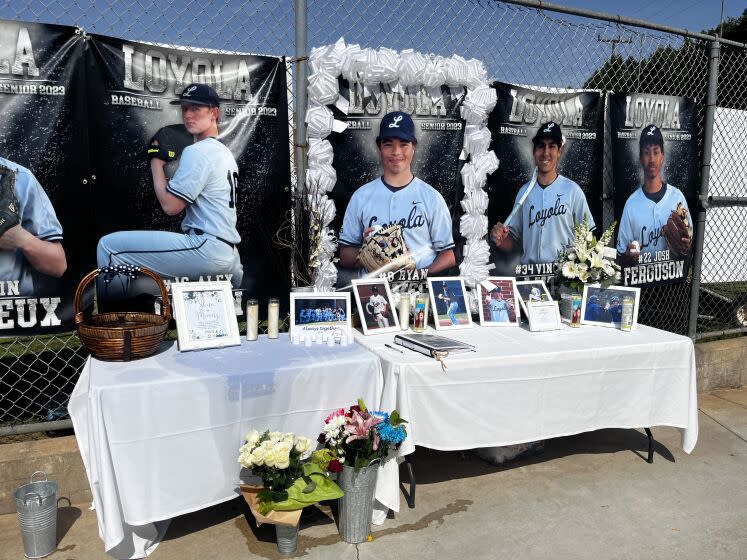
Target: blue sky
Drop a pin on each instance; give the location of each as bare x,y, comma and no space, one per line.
694,15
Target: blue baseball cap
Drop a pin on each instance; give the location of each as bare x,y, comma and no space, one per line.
198,94
397,125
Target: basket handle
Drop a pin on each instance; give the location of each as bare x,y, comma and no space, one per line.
39,472
78,314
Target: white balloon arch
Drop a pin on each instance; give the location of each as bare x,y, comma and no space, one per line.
373,67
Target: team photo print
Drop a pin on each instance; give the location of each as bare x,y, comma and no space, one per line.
375,307
325,312
497,302
450,309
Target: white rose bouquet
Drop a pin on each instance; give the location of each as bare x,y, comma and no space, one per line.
588,259
281,461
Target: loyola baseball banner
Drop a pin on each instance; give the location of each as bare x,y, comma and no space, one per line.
131,86
637,120
438,128
513,123
43,129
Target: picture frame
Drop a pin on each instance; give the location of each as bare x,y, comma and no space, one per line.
599,307
205,315
496,297
375,306
325,312
528,290
544,316
449,303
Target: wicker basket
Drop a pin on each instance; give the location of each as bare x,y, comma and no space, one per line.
122,336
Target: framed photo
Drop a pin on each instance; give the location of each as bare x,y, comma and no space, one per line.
532,290
604,306
543,316
205,315
497,302
374,300
449,304
325,312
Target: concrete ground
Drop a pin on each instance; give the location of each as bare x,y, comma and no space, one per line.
587,496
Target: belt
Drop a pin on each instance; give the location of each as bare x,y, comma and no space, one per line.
200,232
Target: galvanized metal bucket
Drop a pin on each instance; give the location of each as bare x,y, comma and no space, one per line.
287,539
36,503
356,506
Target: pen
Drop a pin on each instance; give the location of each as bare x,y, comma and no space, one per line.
393,348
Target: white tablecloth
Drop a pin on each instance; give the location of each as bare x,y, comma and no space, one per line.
160,436
521,386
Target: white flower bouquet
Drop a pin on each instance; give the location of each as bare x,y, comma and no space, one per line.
588,259
281,461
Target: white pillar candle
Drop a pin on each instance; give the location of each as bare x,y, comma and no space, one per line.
252,319
273,317
404,312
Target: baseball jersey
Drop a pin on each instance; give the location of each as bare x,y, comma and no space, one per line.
418,208
378,303
545,222
37,217
206,179
643,219
498,310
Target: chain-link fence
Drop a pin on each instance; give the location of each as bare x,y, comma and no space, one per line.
519,44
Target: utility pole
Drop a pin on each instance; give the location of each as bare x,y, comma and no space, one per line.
615,41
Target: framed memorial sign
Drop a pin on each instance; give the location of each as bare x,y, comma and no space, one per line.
205,315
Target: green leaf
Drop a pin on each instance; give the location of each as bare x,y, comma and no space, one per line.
362,405
395,419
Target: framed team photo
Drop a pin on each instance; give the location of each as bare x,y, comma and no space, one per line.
604,306
375,306
497,302
532,290
450,309
325,312
205,315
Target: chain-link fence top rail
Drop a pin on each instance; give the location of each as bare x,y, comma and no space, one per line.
518,45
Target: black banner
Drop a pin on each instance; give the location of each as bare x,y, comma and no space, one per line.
130,87
646,254
513,123
44,130
439,130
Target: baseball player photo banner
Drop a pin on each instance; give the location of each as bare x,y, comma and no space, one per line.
541,224
655,177
43,168
235,184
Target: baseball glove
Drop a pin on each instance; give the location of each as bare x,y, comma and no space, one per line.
169,142
9,207
385,250
678,232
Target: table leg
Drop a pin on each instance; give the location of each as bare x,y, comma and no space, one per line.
411,476
650,458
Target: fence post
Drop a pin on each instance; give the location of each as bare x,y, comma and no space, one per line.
705,174
300,117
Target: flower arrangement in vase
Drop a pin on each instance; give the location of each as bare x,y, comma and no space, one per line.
588,260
